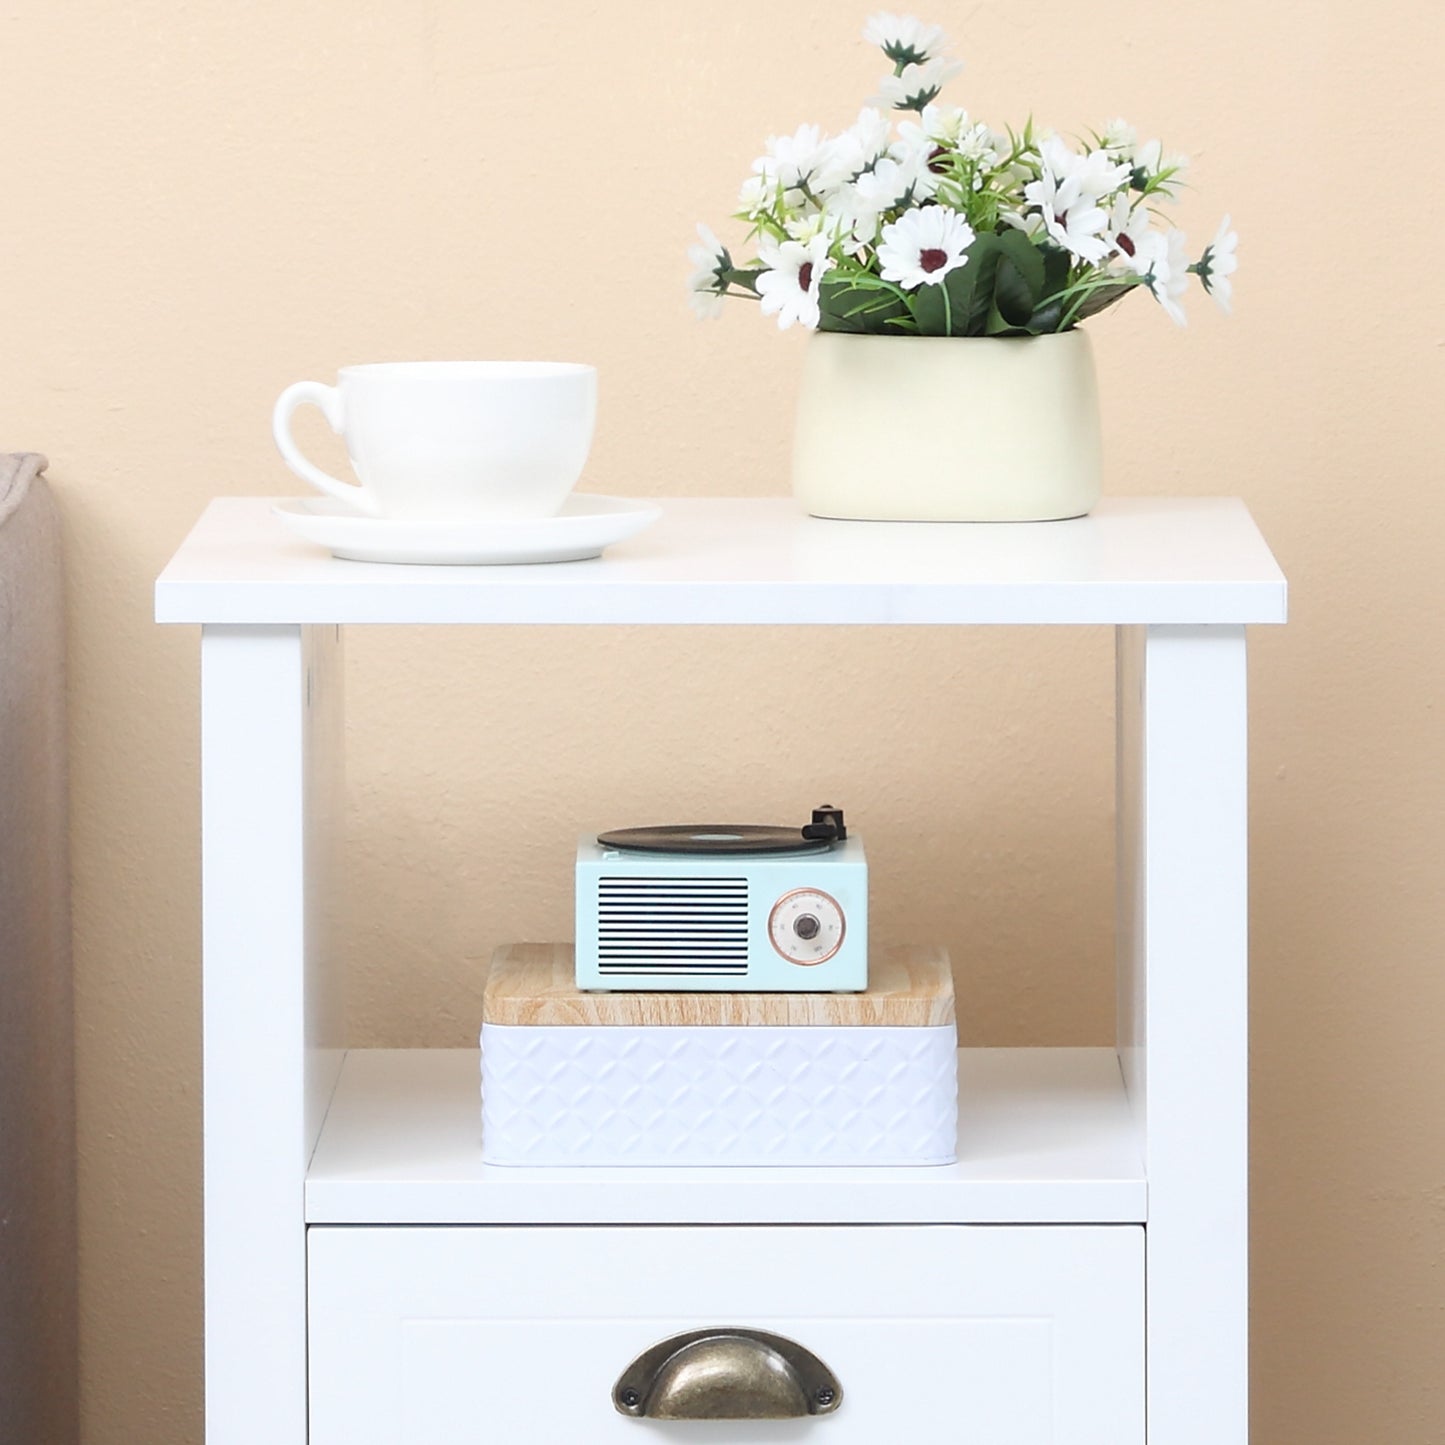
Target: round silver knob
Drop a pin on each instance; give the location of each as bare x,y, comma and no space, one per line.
806,926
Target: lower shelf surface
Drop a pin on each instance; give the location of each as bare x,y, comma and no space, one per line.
1046,1136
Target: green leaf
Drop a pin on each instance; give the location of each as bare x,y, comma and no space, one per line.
1046,317
997,324
862,305
1103,298
862,300
981,268
943,309
1013,297
1057,264
1049,307
962,284
1018,277
999,290
933,310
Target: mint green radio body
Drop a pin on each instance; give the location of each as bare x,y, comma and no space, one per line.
779,922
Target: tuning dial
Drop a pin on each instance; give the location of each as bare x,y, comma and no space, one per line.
807,926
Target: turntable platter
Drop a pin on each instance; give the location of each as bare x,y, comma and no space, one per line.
715,839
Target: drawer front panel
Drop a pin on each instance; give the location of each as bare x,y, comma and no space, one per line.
940,1335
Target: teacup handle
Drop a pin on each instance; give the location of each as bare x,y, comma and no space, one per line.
328,398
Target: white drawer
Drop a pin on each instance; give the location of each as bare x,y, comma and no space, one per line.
938,1335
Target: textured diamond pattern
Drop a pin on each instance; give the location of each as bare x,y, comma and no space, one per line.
660,1096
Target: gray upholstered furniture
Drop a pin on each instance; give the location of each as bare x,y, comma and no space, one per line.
37,1092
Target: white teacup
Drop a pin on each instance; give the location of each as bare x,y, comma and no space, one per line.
451,440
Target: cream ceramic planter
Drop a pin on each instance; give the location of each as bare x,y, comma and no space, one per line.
948,429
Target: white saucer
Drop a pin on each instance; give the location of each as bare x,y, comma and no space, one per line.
586,524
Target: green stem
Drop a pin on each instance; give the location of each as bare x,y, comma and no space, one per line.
868,282
736,276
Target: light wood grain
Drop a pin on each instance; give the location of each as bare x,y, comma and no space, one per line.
911,986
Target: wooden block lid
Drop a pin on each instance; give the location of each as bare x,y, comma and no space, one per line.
533,984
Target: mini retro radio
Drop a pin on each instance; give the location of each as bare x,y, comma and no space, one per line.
725,908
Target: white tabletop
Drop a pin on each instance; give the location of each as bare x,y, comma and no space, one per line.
1167,560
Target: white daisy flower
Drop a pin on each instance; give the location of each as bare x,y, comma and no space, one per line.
872,130
1022,169
903,39
789,286
923,245
818,223
1067,194
706,285
1031,224
1167,270
1073,223
1218,264
756,196
707,305
944,125
856,217
792,161
1126,234
884,188
915,176
980,145
891,184
1148,156
918,86
1150,162
1096,172
858,149
1121,139
947,129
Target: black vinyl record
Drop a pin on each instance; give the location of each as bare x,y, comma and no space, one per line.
718,839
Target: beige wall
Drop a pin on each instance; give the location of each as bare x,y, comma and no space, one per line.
201,202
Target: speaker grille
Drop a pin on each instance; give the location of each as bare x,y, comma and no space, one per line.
673,927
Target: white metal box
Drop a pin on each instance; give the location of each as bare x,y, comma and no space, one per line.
570,1077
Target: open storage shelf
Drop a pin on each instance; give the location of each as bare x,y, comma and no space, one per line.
1045,1136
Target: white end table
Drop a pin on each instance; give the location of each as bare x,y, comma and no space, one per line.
1100,1193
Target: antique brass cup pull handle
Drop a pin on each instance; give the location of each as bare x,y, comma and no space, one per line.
726,1374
